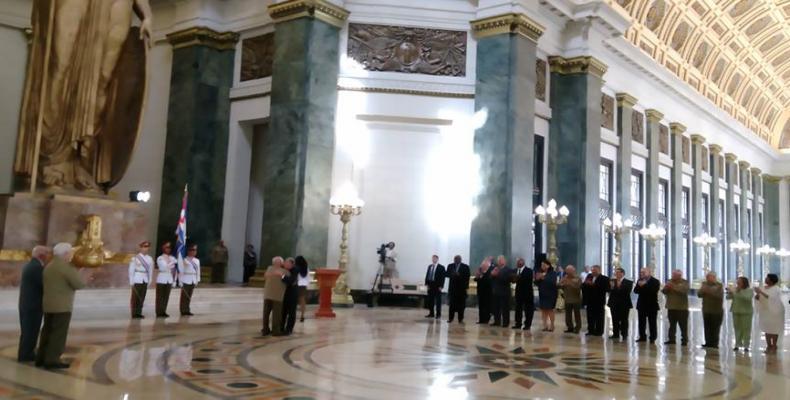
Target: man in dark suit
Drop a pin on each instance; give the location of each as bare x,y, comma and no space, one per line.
31,312
434,280
458,273
594,296
290,298
483,279
647,304
525,297
620,304
501,277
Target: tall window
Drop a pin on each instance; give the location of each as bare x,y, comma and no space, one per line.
605,195
605,181
737,220
636,190
722,261
662,262
749,223
685,213
637,203
662,197
705,213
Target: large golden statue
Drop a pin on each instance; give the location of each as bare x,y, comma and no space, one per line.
84,93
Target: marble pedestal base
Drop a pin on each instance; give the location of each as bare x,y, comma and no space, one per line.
27,220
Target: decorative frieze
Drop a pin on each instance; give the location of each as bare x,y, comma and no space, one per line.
637,127
406,49
318,9
513,23
607,111
257,57
686,149
577,65
663,139
540,82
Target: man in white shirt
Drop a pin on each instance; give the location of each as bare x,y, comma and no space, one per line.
166,265
189,277
141,272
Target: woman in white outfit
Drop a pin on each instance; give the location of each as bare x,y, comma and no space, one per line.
303,280
770,311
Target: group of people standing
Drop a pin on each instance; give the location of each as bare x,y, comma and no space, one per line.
594,291
285,287
169,275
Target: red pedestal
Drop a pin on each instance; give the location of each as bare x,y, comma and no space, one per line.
326,282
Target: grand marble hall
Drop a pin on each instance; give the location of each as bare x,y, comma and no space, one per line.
632,133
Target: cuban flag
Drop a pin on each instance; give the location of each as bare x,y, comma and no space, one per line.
181,235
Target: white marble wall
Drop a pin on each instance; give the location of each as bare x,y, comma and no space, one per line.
13,47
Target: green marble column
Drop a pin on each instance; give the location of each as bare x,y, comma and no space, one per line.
299,146
625,110
715,174
197,134
771,216
675,231
731,176
757,266
652,175
697,256
505,87
575,155
743,183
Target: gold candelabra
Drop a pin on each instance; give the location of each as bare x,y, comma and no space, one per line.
653,234
346,205
706,242
552,217
739,248
617,227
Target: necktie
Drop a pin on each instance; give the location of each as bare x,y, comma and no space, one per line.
433,267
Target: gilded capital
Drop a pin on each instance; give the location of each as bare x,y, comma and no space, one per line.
744,165
513,23
625,100
202,36
730,157
654,115
577,65
756,171
318,9
677,128
714,149
772,179
697,139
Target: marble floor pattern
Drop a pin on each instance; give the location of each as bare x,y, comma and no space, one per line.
366,353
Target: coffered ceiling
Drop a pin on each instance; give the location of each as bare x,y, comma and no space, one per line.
734,52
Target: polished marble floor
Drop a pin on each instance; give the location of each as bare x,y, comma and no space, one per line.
378,353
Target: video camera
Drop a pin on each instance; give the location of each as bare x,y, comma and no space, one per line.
382,252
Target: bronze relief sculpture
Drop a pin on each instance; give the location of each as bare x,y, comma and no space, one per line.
84,93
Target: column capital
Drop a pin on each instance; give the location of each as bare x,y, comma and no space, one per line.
730,157
654,115
744,165
756,171
714,149
677,128
625,100
577,65
203,36
772,178
512,23
697,139
318,9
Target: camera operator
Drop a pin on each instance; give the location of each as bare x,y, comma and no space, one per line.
389,258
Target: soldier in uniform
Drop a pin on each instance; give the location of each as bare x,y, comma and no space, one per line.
166,265
189,277
141,273
219,262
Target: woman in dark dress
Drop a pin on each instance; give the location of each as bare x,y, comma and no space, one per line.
546,281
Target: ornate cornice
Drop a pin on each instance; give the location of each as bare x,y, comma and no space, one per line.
625,100
730,157
577,65
744,165
412,92
677,128
318,9
654,115
697,139
772,179
202,36
756,171
512,23
714,149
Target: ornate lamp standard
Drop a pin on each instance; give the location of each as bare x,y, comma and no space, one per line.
739,248
618,227
345,204
653,234
552,217
782,254
766,251
706,242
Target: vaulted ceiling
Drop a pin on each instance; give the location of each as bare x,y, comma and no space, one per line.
734,52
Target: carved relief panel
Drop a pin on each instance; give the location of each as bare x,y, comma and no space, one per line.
638,127
540,82
409,50
257,57
686,150
663,139
607,111
705,160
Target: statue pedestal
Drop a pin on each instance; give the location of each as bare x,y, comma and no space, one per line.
27,220
326,282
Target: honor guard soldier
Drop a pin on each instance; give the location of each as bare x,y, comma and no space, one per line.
141,272
165,279
189,277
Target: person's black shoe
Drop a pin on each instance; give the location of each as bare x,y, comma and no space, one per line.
640,340
588,334
517,326
26,360
505,324
526,328
652,341
684,343
59,365
669,342
568,331
138,316
613,337
429,315
460,321
265,332
189,314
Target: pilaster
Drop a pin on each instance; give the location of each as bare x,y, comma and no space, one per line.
625,110
575,155
731,168
757,235
676,198
697,256
743,181
716,255
651,180
505,87
772,186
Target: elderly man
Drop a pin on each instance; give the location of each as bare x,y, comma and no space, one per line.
277,279
31,291
502,275
572,288
61,280
594,291
525,296
647,288
458,273
676,292
620,304
712,294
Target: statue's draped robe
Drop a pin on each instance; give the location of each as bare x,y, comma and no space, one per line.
89,119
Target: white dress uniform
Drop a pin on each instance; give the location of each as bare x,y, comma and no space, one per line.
165,265
189,277
141,272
